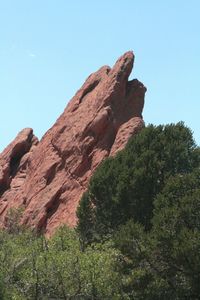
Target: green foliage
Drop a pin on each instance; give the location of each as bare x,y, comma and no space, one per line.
124,187
85,216
32,267
138,234
176,228
165,262
148,196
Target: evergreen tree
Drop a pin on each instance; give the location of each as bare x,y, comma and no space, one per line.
164,263
125,186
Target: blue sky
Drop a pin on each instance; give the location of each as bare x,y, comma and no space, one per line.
48,48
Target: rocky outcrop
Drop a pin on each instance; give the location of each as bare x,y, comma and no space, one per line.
48,178
14,162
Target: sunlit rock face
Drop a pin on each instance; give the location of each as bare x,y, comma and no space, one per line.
47,178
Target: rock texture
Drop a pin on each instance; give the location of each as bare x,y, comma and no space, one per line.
48,178
14,162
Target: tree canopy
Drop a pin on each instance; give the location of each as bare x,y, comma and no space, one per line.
164,263
125,186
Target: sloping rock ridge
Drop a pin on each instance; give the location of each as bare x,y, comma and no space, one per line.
47,178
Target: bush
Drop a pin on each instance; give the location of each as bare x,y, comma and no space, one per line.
32,267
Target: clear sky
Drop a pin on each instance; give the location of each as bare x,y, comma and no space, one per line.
49,47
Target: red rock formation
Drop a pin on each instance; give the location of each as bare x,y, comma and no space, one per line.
14,162
48,180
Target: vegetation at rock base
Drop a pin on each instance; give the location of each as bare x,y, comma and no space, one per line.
147,199
138,232
32,267
124,187
165,262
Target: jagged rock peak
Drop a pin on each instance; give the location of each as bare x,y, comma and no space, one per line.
50,176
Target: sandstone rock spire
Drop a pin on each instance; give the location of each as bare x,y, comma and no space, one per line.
48,178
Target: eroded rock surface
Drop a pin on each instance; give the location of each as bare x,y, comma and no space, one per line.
14,161
48,178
